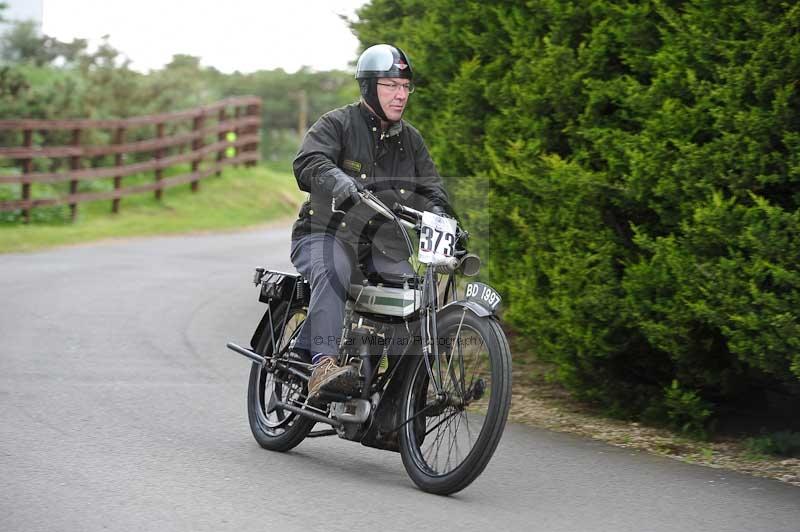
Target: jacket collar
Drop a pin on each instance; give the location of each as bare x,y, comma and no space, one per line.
374,121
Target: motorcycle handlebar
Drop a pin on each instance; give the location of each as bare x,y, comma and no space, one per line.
402,209
461,254
376,204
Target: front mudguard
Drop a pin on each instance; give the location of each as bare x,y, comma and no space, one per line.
476,308
480,298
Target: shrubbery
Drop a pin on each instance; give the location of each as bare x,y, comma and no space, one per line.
782,443
639,184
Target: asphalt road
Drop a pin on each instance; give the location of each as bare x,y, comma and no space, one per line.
121,409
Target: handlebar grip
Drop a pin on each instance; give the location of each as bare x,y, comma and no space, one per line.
397,207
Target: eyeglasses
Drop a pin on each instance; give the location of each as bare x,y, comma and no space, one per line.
394,87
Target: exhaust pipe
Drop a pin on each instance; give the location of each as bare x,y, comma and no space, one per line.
273,403
306,413
255,357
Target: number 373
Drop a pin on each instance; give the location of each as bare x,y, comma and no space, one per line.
431,238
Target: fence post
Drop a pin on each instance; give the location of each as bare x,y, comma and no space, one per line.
74,164
197,143
159,153
27,164
253,109
221,136
119,138
237,113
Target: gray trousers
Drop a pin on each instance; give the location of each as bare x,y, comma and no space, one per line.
327,264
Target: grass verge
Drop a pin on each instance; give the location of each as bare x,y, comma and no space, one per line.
241,197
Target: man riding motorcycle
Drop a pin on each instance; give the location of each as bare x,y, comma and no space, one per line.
362,146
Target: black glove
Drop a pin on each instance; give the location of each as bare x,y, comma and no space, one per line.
343,189
345,193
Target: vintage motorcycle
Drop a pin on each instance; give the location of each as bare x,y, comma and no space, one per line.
434,370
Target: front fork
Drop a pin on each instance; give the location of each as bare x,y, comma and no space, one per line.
429,331
430,339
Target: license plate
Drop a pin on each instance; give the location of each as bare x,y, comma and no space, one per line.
484,295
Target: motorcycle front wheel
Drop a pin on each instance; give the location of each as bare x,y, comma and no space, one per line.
278,429
454,409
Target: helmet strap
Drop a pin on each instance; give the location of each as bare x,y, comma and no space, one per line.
369,91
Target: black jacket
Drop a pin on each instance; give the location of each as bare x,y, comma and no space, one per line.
396,166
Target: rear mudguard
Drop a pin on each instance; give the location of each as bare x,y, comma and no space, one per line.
277,289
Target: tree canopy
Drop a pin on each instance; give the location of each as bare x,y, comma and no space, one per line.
43,77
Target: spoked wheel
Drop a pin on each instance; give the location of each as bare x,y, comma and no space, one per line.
457,409
274,428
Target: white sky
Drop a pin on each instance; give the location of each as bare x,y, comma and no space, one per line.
244,35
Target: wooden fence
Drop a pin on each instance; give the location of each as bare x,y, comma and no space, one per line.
161,141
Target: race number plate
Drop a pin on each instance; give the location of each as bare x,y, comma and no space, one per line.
484,295
437,239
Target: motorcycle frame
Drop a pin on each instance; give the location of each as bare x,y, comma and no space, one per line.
277,288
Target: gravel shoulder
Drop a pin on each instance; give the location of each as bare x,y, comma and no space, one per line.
542,404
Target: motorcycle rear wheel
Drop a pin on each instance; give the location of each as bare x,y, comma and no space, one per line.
279,430
448,440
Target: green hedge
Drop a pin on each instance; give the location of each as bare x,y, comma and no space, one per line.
639,198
